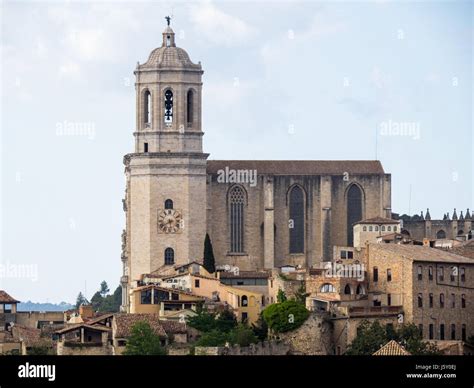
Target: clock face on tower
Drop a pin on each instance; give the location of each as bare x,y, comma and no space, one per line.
169,221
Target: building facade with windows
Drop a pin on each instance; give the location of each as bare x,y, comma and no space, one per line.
434,287
259,214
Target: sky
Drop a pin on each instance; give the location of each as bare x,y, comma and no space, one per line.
282,80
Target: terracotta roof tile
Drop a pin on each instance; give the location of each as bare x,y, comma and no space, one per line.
5,298
392,348
125,322
173,327
299,167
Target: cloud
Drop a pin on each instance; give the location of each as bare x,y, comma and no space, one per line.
218,27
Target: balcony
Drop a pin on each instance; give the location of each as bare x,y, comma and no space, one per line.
375,310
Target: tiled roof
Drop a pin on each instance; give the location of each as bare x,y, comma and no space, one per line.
5,298
392,348
466,249
421,253
125,322
80,325
299,167
378,220
173,327
99,318
244,275
28,335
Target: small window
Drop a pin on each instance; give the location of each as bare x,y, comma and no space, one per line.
245,317
145,147
394,228
431,331
196,283
431,300
420,328
463,332
190,107
441,331
169,256
146,297
350,254
389,228
463,301
430,273
327,288
452,277
376,228
383,228
441,300
347,289
168,204
389,275
453,331
364,228
420,300
389,299
462,272
244,301
376,274
441,274
420,272
453,301
370,228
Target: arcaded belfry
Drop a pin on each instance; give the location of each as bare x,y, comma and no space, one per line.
293,212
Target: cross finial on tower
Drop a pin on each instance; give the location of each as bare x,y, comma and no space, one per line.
168,19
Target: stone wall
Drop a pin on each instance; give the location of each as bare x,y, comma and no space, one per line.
266,348
313,337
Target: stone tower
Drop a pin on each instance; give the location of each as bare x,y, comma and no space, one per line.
165,200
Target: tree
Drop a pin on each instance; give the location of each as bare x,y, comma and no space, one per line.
301,294
242,335
203,321
117,299
213,338
80,300
97,301
143,341
209,261
372,336
226,321
104,289
285,316
281,296
369,339
260,328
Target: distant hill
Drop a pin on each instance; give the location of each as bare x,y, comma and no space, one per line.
33,306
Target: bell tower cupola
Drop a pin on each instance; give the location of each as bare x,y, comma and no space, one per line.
168,100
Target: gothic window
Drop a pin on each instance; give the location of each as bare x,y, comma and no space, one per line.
463,301
244,301
431,300
441,300
430,272
296,223
147,107
420,272
462,272
440,234
236,204
168,114
440,274
360,290
326,287
347,289
389,275
169,256
354,211
420,300
190,106
145,147
168,204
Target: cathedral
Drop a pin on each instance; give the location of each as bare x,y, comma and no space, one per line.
259,214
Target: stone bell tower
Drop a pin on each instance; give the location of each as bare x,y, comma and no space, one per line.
165,200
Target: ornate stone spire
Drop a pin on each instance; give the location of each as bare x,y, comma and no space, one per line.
447,216
468,214
461,217
422,215
455,215
428,216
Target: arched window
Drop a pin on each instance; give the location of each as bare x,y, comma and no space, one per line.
326,287
347,289
168,113
354,211
440,234
420,300
237,227
441,300
168,204
296,223
169,256
370,228
383,228
190,106
463,301
244,301
360,290
147,107
364,228
389,228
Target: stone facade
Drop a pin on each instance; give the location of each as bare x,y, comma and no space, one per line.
434,287
174,195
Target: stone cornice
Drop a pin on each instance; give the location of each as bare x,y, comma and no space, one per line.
164,155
